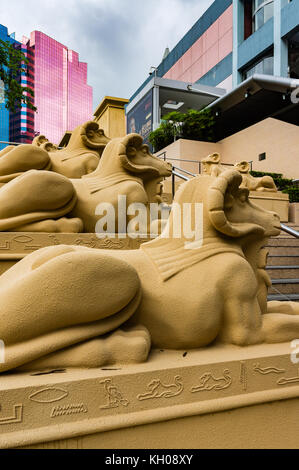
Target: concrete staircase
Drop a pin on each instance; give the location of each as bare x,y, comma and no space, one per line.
283,267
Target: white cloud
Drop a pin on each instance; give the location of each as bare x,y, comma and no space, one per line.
119,39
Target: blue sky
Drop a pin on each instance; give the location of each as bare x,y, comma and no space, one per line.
119,39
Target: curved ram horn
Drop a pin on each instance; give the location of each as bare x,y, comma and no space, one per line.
127,144
99,141
227,183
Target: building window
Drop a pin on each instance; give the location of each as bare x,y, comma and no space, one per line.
262,156
262,12
2,95
264,66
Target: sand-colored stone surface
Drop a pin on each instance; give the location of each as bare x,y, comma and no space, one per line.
224,396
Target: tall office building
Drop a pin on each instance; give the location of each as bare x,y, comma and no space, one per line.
61,94
229,43
4,113
21,127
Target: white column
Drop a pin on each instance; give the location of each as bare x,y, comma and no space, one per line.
156,110
281,59
238,37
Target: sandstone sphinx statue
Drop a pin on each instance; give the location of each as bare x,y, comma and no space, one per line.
264,184
65,306
80,157
44,201
211,165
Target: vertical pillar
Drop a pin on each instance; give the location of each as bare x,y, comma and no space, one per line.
281,59
156,107
110,115
238,37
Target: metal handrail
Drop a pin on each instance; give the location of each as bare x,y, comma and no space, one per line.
183,177
179,175
19,143
10,143
184,171
289,230
196,162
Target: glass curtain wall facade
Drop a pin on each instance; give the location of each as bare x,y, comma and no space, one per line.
262,11
62,96
22,121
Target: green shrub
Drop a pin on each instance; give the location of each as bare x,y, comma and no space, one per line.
293,193
195,125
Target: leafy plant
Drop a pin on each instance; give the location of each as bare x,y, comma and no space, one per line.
193,125
12,61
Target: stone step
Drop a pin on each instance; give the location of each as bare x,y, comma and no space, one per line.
285,235
284,241
284,286
284,250
284,298
283,272
279,260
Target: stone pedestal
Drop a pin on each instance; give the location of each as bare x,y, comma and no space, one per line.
219,397
294,213
110,115
16,245
277,202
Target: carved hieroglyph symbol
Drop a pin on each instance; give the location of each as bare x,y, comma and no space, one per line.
6,247
17,416
25,239
54,239
208,382
92,243
157,389
48,395
267,370
287,381
243,375
114,396
70,409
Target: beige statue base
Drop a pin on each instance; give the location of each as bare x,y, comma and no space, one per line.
220,397
14,246
277,202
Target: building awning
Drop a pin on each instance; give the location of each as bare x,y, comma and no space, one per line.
257,98
179,96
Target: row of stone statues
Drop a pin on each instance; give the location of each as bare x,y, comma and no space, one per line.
212,166
49,190
90,170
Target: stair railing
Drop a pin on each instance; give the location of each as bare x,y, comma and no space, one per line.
163,155
289,230
177,172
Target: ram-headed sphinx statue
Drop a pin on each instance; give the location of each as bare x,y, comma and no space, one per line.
104,307
80,157
45,201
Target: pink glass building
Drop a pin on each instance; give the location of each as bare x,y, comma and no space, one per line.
62,96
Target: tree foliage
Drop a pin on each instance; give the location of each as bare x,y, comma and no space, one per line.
193,125
12,61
